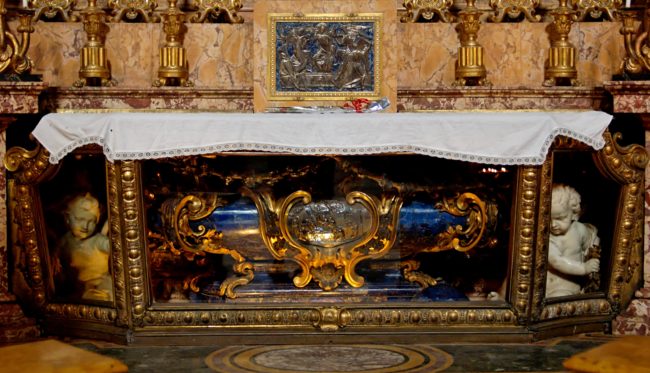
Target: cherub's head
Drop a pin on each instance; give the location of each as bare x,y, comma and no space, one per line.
82,215
565,208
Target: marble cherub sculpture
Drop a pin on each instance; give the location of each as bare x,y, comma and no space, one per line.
87,249
571,246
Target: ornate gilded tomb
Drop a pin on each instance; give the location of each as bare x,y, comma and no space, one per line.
140,214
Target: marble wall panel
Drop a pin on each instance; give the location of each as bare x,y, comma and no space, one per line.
425,52
600,51
54,50
219,55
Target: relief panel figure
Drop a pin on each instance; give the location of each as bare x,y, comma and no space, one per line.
573,246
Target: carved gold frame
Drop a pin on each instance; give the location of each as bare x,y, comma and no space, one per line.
134,315
274,18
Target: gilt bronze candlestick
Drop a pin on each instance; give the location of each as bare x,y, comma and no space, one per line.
173,70
560,66
95,69
469,65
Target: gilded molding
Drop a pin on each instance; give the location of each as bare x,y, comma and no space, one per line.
28,273
81,312
132,237
49,9
525,212
513,9
427,10
132,10
626,165
410,272
332,318
115,233
637,54
588,307
543,234
213,10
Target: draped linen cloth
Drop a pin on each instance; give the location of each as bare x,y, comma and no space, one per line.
507,138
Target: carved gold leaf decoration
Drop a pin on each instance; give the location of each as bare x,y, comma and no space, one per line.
596,9
216,9
328,261
202,240
513,9
131,10
49,9
427,10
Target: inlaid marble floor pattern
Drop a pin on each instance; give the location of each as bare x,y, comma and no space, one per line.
545,356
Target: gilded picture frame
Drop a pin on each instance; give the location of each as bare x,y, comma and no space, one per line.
324,56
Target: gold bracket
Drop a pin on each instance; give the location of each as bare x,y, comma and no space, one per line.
94,70
560,66
637,44
173,70
469,65
49,9
216,9
596,9
13,52
133,9
513,9
326,262
427,10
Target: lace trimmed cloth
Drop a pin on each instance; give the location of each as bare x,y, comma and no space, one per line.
506,138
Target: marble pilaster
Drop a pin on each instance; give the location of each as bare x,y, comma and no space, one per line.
17,98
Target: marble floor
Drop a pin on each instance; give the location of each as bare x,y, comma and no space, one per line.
545,356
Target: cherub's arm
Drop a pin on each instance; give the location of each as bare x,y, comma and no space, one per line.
565,265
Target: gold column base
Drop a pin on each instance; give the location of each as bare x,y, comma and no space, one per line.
560,67
94,69
469,67
174,70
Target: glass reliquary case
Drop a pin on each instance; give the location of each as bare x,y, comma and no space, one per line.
356,247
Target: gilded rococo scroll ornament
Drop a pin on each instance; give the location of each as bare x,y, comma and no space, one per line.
470,69
327,239
514,9
560,66
324,56
94,70
637,43
13,51
455,237
427,10
200,240
132,10
213,10
173,68
596,9
50,9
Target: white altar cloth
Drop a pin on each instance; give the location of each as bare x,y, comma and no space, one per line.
483,137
